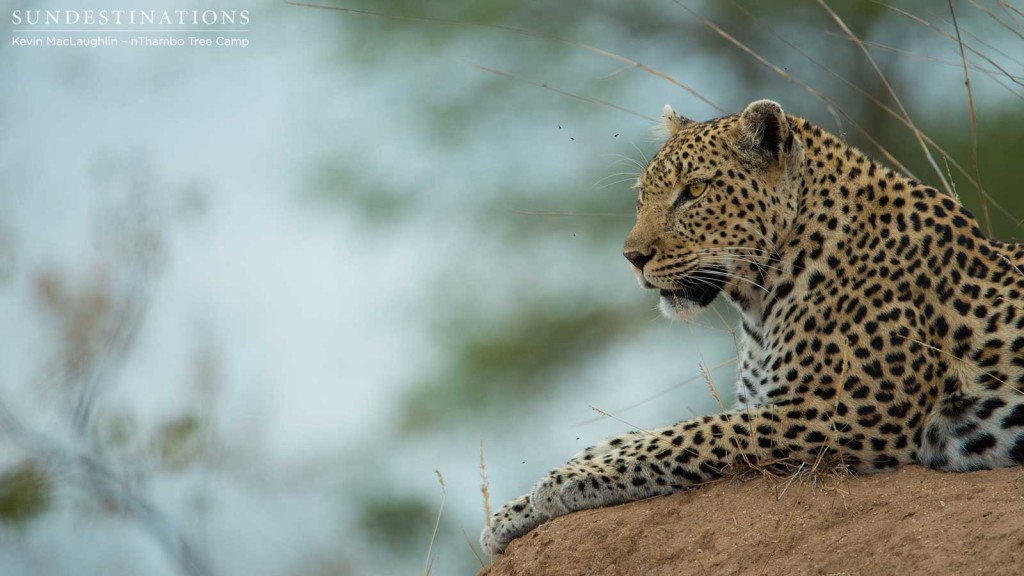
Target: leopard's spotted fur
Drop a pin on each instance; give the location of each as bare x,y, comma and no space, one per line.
879,324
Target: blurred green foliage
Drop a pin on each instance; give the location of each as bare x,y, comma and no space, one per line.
510,364
378,202
1000,167
26,491
180,442
403,524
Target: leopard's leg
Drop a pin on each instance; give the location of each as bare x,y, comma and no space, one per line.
975,431
665,460
605,446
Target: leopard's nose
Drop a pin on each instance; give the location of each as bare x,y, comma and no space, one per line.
638,259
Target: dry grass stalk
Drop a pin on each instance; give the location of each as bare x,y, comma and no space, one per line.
993,74
894,114
721,405
885,82
952,182
942,32
661,393
484,486
996,17
974,122
437,524
633,426
547,86
711,386
472,547
485,492
829,103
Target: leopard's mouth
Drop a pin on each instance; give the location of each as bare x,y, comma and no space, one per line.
701,287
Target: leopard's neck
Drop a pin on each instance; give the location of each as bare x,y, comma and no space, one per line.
847,205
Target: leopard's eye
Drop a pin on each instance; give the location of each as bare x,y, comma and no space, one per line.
691,191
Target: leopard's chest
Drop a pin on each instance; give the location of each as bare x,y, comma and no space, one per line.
763,374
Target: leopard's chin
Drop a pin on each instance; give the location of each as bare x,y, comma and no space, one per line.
693,293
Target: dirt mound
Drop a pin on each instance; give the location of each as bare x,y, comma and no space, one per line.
912,521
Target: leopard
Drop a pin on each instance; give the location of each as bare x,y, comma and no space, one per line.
879,326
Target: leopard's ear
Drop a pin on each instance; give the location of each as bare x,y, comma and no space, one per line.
673,123
763,126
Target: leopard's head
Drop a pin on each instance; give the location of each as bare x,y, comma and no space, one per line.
712,205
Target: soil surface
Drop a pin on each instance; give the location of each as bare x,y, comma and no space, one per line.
912,521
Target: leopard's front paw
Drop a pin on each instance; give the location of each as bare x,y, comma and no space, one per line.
563,490
510,522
